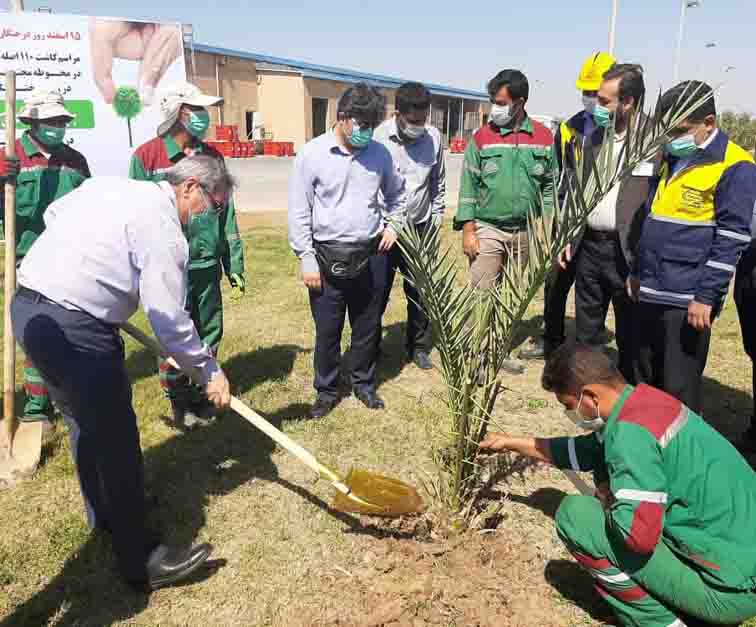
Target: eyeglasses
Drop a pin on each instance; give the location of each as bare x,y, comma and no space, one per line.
362,124
217,205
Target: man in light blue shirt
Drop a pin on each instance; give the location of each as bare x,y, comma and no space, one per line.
342,233
83,278
418,153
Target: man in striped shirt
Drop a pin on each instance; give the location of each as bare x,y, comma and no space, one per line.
669,534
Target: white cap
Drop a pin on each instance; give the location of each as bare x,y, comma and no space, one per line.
173,97
43,105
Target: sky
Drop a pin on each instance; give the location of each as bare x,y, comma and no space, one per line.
452,42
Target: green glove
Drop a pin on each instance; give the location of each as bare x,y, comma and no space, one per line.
238,284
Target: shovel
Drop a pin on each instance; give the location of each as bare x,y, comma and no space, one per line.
20,442
361,492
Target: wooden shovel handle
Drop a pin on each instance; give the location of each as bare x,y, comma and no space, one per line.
9,344
249,415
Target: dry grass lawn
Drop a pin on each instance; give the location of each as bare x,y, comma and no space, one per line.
282,557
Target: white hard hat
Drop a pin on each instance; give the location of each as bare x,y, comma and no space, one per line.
43,105
183,93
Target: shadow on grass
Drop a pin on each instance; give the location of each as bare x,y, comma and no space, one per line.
576,586
545,500
393,356
181,474
725,408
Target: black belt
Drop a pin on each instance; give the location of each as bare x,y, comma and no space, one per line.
600,236
34,296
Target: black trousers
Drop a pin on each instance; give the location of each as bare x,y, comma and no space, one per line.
556,291
419,331
745,300
361,300
669,354
82,361
600,280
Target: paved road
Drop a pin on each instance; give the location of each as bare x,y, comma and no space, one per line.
263,182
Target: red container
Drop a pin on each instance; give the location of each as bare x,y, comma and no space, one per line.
225,148
268,148
226,132
289,149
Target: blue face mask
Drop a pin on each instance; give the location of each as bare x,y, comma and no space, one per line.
682,146
601,115
360,137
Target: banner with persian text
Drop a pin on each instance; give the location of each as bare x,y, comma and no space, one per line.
110,72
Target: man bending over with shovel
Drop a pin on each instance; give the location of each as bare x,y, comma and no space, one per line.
83,278
669,537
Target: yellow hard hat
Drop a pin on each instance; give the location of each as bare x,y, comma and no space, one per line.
593,71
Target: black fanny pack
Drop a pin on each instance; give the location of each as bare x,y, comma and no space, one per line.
339,260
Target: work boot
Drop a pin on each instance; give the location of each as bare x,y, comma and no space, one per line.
369,399
185,417
513,366
168,565
422,360
322,407
535,350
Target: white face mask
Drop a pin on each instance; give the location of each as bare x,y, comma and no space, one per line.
589,103
594,424
501,115
413,132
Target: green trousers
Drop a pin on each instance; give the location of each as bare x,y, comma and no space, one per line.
205,304
37,405
644,591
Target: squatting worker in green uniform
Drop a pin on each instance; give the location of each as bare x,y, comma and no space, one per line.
214,243
669,537
46,168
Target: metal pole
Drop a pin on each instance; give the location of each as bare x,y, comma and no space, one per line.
613,26
681,34
462,118
218,87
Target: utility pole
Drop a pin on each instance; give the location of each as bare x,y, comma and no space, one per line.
613,26
686,4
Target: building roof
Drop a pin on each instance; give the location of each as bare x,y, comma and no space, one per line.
329,73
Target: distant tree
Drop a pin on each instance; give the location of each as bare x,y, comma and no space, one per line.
741,128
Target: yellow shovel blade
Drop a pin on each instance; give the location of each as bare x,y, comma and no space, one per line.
20,456
377,495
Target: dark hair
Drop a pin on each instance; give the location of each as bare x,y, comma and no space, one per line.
631,80
685,94
515,82
573,366
412,97
363,102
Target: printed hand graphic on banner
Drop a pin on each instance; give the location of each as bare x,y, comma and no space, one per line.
156,46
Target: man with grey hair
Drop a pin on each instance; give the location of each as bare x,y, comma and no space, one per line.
84,277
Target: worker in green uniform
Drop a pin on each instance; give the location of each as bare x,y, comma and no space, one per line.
46,168
669,536
214,243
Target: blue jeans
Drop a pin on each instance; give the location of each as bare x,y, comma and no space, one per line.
82,361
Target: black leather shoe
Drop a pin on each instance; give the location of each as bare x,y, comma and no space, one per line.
370,399
167,565
322,407
422,360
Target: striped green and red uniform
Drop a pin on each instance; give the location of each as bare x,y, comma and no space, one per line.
679,537
507,173
214,246
41,180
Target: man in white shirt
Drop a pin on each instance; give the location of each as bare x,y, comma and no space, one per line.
608,242
83,278
418,154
